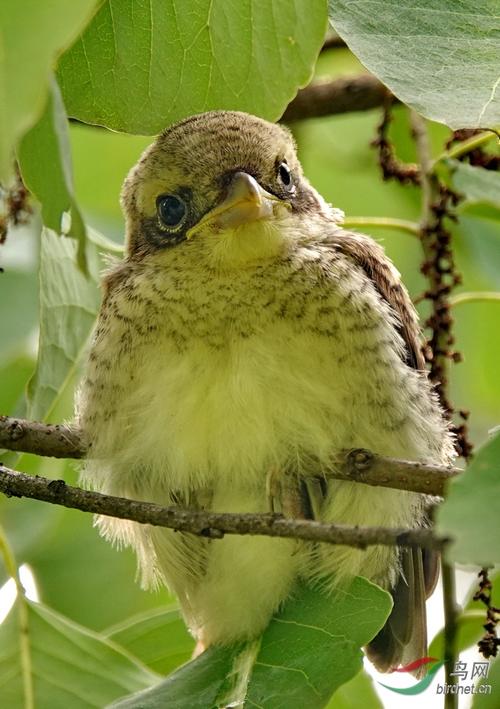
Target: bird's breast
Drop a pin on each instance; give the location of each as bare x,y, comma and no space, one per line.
226,379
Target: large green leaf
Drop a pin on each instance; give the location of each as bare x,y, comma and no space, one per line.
358,692
142,65
69,300
488,699
45,160
14,373
32,33
443,59
194,686
470,514
477,241
159,638
70,665
18,310
308,650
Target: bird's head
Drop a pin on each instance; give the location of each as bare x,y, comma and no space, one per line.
225,184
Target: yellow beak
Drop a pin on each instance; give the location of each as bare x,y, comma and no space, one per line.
246,201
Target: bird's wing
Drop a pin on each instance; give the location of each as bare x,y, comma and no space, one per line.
404,637
370,257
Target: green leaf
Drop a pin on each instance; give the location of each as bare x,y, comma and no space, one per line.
478,243
489,700
194,686
476,183
158,638
18,309
358,692
308,650
14,374
139,65
69,300
45,160
70,665
470,514
31,35
443,59
469,631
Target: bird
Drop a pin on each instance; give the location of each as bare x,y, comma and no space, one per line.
245,339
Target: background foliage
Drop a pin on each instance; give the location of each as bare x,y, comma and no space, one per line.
135,66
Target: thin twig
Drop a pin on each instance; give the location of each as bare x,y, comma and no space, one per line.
15,207
438,202
359,465
213,525
490,642
391,166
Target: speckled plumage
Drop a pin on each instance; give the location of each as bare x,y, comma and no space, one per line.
222,357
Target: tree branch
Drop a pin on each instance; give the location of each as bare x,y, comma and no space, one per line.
213,525
333,41
359,465
53,441
326,98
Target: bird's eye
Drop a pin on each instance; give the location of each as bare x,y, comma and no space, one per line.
285,176
171,210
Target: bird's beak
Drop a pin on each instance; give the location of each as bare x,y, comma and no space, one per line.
246,201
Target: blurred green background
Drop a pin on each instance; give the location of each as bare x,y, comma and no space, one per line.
61,545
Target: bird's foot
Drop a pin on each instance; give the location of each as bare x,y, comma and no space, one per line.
273,489
284,494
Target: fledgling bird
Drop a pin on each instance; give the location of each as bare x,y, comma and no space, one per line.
246,339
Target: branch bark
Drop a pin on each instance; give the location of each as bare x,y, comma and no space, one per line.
327,98
362,466
359,465
333,41
53,441
212,525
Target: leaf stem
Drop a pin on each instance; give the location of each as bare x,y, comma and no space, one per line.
466,146
383,223
472,297
450,631
24,640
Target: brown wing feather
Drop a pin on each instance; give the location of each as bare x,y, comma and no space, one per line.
404,637
370,257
